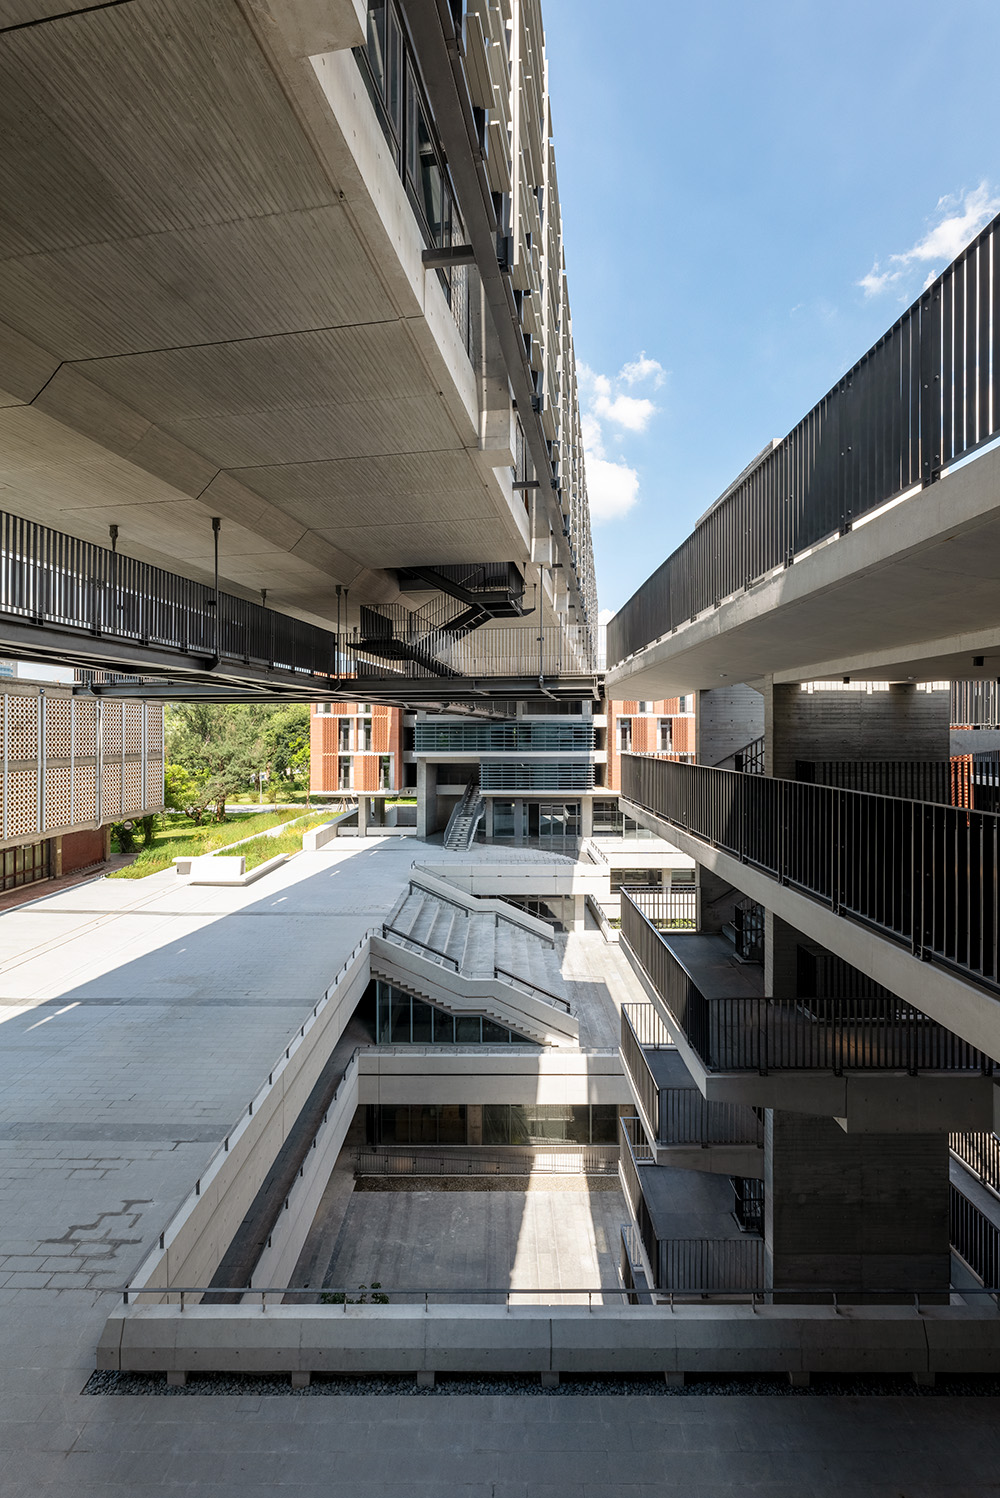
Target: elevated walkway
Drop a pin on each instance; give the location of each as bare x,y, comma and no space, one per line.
877,1065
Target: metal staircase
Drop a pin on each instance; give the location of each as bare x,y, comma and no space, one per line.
464,820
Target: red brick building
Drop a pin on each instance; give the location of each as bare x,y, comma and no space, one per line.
355,747
665,727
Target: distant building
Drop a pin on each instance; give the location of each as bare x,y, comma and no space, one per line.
356,748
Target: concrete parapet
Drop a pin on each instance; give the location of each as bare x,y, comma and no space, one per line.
793,1340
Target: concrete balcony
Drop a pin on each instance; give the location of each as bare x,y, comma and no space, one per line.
878,1065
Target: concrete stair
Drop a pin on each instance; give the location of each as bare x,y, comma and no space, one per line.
484,946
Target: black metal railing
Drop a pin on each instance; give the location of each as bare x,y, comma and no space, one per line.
403,938
748,1203
688,1118
635,1156
975,1238
748,930
800,1034
751,758
701,1266
671,908
557,1159
926,394
981,1153
545,994
644,1083
915,780
926,875
51,579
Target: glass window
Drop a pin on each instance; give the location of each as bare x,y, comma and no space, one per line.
385,772
423,1018
503,820
365,735
344,734
344,773
666,735
624,735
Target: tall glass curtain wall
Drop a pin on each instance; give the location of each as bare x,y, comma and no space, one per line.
400,1019
492,1124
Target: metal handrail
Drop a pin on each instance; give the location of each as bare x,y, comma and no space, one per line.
553,998
805,1034
935,887
917,401
388,931
665,1299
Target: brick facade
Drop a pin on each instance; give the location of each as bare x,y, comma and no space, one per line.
326,749
644,720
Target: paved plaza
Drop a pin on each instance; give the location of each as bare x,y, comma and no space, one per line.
137,1020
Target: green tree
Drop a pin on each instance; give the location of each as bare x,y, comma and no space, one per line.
218,746
223,750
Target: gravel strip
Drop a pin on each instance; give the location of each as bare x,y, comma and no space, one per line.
323,1385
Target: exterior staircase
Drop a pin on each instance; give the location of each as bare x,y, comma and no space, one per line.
466,956
465,819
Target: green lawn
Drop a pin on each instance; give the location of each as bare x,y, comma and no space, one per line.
178,837
260,849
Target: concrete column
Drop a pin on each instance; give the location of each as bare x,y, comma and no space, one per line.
363,816
586,816
781,957
728,718
488,818
854,1210
55,857
900,723
579,903
378,811
716,900
427,801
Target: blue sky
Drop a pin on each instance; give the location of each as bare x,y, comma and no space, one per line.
751,194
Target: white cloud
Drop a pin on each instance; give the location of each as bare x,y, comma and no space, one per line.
593,437
612,488
604,617
960,219
634,413
609,413
642,369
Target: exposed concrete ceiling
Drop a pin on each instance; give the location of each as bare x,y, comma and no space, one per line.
201,319
910,594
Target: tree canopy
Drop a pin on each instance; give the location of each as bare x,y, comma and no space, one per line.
225,749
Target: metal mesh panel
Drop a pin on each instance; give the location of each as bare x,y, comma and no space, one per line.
22,732
22,811
154,730
132,728
112,728
84,793
58,797
85,727
111,791
133,788
58,727
154,782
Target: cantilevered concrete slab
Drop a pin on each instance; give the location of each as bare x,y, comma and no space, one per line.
213,303
908,594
